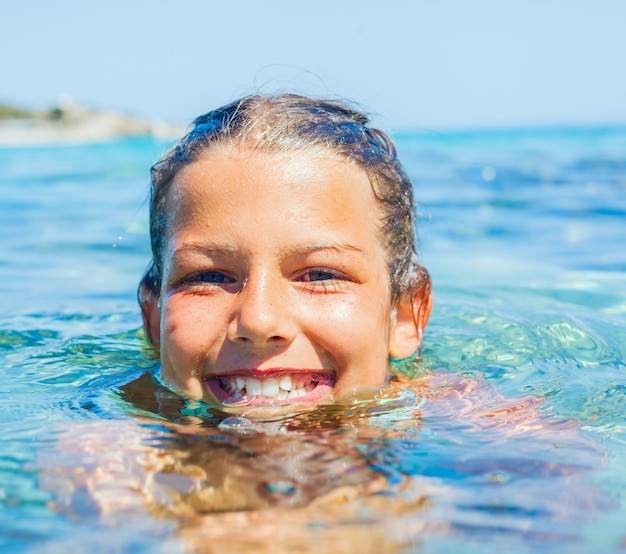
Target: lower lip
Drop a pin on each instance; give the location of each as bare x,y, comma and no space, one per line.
322,391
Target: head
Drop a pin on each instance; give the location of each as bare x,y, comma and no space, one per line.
289,149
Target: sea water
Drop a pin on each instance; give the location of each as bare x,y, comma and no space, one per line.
510,438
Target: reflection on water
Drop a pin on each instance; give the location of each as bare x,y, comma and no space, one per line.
437,455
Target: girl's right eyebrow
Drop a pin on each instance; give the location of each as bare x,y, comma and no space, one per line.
207,250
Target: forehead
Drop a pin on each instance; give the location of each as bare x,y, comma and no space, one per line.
243,184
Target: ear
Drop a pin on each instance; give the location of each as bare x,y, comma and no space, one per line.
151,314
410,318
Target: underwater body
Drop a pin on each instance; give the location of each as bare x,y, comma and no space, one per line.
506,435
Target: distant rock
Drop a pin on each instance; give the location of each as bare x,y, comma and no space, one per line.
70,123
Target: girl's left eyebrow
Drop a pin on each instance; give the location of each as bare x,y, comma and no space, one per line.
306,249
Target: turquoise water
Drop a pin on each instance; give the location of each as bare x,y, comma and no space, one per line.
510,438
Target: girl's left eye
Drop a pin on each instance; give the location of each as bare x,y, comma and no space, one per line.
321,275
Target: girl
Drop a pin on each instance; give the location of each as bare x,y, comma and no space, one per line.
284,265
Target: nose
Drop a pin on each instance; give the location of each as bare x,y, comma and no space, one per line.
262,317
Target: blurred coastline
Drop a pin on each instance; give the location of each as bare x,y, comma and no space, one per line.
68,122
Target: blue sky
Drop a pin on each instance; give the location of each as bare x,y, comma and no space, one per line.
432,64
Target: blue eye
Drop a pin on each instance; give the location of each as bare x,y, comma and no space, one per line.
324,280
320,275
213,277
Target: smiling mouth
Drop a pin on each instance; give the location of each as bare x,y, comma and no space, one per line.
281,387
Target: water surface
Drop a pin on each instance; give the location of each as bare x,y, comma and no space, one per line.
510,437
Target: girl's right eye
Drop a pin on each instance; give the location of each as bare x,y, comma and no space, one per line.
211,277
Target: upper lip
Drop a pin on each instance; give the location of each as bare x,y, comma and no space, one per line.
269,372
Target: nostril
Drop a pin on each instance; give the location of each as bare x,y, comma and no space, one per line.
272,340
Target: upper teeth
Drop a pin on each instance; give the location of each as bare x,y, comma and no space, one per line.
281,388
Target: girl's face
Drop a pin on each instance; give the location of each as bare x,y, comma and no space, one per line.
275,285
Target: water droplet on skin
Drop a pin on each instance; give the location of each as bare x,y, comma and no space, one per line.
281,487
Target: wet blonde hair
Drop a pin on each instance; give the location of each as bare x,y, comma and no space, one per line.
288,123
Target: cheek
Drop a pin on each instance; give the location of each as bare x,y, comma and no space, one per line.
184,328
336,315
183,348
352,330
